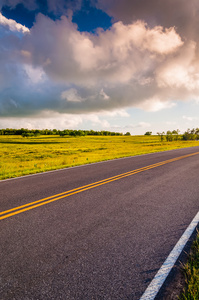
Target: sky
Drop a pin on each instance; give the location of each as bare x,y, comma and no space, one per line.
117,65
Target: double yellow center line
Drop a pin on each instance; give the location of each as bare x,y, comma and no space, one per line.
19,209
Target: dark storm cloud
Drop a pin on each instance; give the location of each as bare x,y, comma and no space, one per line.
58,7
182,14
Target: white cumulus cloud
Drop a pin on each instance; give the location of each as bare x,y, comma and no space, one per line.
12,25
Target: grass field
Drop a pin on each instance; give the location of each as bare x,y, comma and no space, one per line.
21,156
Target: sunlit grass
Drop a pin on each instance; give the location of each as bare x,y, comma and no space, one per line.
21,156
191,269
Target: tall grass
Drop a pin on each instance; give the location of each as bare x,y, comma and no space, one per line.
191,269
21,156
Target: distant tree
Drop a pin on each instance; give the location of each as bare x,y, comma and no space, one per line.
36,132
61,133
54,131
80,133
161,135
27,134
175,134
73,132
197,133
127,133
112,133
191,134
148,133
169,136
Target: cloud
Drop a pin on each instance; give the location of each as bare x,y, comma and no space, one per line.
139,127
35,75
114,55
12,25
61,7
104,95
58,7
143,125
189,118
182,14
71,95
155,104
58,69
53,120
47,120
180,71
30,4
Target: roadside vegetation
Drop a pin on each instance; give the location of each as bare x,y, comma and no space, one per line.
33,152
169,136
191,270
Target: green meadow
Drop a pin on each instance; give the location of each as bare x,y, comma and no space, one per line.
28,155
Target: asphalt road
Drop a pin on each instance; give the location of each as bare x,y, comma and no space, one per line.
106,242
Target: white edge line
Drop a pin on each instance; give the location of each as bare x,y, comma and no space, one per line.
155,285
94,163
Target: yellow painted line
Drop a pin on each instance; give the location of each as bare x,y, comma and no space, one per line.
28,206
89,185
65,193
76,189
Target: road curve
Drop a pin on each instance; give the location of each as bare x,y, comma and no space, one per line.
104,242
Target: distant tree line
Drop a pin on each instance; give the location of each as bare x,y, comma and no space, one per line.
67,132
190,134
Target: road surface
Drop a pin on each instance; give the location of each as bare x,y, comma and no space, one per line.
104,239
